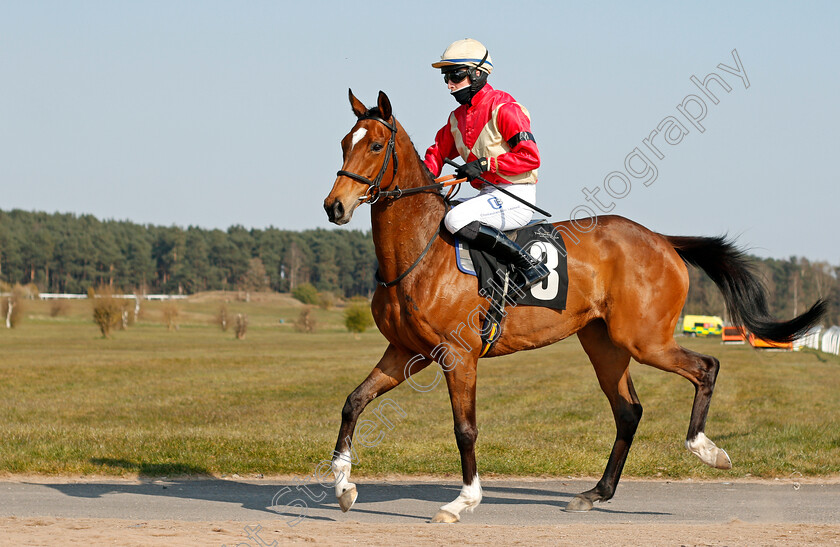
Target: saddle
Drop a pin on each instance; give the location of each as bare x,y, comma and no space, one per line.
541,240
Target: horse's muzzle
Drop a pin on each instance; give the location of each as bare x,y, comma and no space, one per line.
335,212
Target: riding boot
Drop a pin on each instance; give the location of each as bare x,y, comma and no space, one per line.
489,239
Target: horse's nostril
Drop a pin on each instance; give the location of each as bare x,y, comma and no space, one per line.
334,211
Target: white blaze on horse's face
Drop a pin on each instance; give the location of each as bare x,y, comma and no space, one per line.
357,136
346,192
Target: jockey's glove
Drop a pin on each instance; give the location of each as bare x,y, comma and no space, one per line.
472,170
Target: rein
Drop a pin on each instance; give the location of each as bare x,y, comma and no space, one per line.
400,277
373,193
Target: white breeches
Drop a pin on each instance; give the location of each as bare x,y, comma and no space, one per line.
494,208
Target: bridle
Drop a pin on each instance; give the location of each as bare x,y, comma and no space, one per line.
373,193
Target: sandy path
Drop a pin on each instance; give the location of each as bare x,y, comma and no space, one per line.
56,531
234,511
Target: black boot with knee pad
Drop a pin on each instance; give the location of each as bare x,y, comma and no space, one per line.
486,238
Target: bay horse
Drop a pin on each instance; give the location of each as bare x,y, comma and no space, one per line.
627,288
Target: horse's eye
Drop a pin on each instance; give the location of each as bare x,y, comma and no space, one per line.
376,147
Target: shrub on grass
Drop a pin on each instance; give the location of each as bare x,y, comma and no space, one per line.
58,307
306,293
107,310
241,326
12,307
306,321
223,317
170,315
326,300
357,318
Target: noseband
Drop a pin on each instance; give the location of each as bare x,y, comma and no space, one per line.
373,193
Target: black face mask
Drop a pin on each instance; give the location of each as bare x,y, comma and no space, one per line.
465,94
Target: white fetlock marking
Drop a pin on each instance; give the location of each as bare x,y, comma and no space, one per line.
703,448
468,499
341,469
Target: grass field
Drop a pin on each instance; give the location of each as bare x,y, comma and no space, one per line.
197,401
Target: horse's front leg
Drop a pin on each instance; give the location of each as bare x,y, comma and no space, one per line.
388,374
461,383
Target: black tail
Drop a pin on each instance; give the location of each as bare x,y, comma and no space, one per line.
743,291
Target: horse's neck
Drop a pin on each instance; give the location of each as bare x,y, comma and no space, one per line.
402,227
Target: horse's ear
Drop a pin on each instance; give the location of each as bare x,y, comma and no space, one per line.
358,108
384,106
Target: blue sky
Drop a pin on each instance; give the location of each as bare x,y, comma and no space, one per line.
220,113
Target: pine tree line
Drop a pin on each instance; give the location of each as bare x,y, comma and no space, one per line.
70,253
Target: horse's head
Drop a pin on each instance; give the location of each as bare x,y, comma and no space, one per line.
370,161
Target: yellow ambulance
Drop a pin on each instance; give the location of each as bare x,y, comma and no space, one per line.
702,325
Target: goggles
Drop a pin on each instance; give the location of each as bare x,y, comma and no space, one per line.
456,77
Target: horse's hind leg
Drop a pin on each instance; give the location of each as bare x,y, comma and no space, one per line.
611,364
701,370
461,383
388,374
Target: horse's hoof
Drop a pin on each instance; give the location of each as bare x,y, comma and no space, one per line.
579,504
347,499
722,460
445,516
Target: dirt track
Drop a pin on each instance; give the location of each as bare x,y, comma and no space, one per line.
514,511
51,531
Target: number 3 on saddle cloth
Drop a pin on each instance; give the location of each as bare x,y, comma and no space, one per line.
540,240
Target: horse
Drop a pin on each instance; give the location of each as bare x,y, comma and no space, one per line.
627,288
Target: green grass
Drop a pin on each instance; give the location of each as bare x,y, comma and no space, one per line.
194,401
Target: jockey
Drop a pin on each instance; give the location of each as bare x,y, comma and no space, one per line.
491,132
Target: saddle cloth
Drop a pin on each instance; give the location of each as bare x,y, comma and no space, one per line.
540,240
